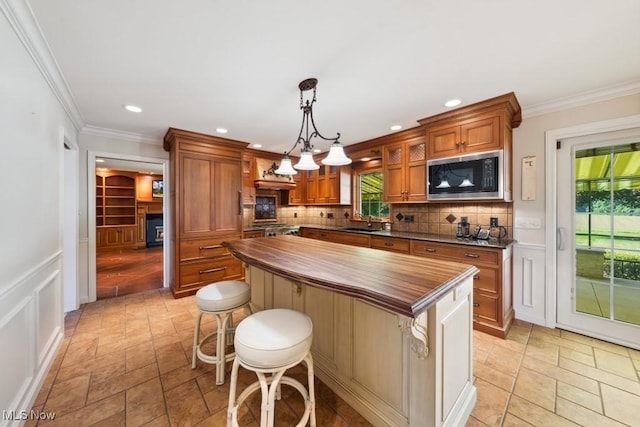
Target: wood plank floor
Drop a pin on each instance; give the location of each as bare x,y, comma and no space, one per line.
128,271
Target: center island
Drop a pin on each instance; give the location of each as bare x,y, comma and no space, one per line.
392,333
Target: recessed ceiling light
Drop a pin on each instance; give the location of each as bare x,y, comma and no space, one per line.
221,130
133,108
99,160
396,127
257,145
452,103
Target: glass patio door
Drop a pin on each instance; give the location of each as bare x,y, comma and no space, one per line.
598,252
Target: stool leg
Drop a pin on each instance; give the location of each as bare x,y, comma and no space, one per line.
220,349
310,385
229,329
267,415
196,337
231,409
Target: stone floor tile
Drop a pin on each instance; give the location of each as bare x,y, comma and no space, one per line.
632,386
474,422
580,397
621,405
67,396
595,343
171,356
92,413
615,363
561,374
495,377
536,388
504,360
185,404
583,416
534,414
536,330
491,404
88,366
145,402
543,350
586,359
140,355
511,420
117,383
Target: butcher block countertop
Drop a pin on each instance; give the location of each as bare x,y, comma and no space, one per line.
404,284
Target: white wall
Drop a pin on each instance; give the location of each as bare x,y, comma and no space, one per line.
529,252
34,126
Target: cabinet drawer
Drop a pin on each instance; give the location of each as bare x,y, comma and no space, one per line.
208,271
390,244
485,307
459,253
353,239
200,248
486,279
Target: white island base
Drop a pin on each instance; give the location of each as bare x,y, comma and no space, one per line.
393,369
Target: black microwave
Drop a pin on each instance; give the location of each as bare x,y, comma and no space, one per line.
467,177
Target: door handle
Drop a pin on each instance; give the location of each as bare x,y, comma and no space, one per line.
560,238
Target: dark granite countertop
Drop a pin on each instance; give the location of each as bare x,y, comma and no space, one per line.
500,244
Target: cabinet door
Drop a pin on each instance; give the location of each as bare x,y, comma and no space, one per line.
128,235
248,189
481,135
444,141
227,196
394,173
416,172
311,186
332,185
195,192
297,195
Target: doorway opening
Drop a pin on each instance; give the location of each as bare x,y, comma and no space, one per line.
129,226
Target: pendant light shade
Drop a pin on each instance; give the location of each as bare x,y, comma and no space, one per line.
443,184
285,167
336,156
306,162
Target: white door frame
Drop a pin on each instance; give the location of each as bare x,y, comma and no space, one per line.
70,219
91,212
551,139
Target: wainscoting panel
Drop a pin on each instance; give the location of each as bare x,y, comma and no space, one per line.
529,283
31,330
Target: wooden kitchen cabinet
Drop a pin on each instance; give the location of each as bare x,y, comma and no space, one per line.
404,167
116,236
479,127
248,189
347,238
329,185
297,195
492,297
206,206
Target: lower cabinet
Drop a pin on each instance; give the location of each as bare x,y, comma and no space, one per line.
204,261
116,237
492,298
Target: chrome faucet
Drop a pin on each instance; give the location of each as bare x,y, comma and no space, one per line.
369,221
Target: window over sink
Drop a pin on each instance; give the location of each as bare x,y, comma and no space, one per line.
368,194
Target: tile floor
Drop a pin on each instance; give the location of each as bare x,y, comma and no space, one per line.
126,361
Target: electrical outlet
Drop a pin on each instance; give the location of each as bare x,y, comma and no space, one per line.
408,218
329,215
295,214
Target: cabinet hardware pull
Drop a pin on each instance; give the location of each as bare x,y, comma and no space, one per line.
210,247
461,142
476,277
468,255
239,202
212,270
430,250
388,244
476,304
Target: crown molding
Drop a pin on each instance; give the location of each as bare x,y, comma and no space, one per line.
120,135
585,98
21,18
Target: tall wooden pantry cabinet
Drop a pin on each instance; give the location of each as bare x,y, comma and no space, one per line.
206,208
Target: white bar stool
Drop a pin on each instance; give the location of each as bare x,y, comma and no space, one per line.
270,342
221,299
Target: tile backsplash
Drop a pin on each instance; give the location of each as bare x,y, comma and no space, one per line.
433,218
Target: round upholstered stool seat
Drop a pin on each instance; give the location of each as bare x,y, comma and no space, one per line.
273,338
220,299
270,342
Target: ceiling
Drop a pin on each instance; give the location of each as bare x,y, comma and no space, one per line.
202,64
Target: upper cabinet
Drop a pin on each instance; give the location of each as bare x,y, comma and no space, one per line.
329,185
479,127
404,158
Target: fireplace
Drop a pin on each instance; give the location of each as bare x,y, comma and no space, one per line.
155,230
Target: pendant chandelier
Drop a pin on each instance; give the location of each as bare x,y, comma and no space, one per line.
308,131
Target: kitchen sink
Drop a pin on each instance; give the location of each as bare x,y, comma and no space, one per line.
366,230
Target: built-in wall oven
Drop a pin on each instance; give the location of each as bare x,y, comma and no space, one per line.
467,177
